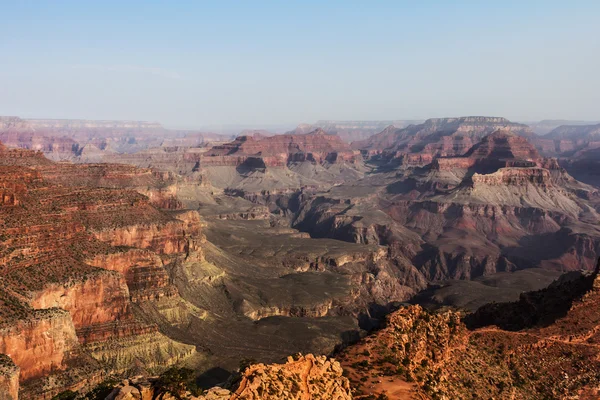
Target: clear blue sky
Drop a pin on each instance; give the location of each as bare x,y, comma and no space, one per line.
192,63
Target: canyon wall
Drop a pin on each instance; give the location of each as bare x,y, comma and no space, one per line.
69,286
39,344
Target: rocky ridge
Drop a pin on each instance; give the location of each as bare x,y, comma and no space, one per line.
276,151
351,131
92,140
419,144
301,377
578,150
543,346
130,280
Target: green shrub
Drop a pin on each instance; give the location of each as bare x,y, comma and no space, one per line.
176,381
101,391
66,395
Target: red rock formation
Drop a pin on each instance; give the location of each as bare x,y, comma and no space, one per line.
497,150
143,270
300,378
39,344
452,163
100,298
167,238
545,345
504,145
437,137
110,331
307,377
14,183
514,176
279,150
416,159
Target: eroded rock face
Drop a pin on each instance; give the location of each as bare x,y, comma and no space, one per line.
500,149
66,295
143,271
307,377
39,343
100,298
498,207
276,151
578,150
542,345
437,137
576,133
166,238
16,132
138,344
514,176
504,145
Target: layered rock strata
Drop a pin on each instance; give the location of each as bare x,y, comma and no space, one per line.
68,283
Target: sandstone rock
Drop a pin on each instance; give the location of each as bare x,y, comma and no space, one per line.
40,343
307,377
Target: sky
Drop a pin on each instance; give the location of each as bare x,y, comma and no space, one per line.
196,63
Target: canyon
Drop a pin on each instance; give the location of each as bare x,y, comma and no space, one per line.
100,279
177,249
90,140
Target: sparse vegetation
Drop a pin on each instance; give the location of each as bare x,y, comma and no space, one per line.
176,381
66,395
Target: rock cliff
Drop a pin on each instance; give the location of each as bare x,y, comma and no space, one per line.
68,284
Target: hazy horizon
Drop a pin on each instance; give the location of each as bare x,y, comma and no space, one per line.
261,64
